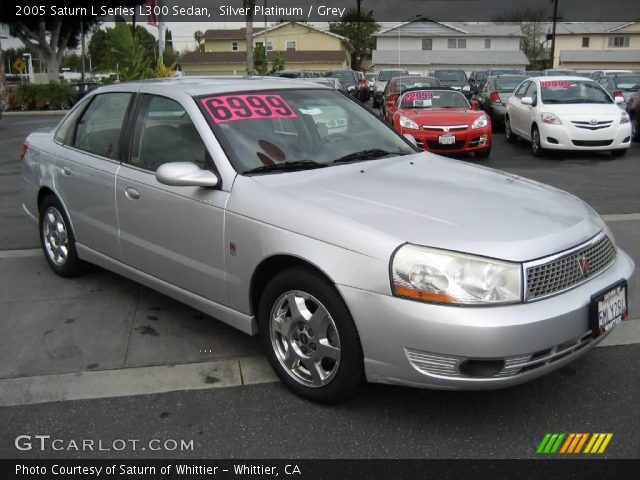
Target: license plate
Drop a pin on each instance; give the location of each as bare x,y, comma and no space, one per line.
447,139
608,309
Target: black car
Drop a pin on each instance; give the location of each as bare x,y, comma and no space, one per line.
454,79
349,78
620,85
476,78
495,93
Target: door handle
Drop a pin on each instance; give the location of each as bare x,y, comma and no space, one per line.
66,171
132,193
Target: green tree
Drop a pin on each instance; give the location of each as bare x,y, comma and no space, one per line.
129,52
49,37
359,30
278,62
533,23
98,48
72,61
260,60
198,36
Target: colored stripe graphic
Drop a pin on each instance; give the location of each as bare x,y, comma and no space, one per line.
573,443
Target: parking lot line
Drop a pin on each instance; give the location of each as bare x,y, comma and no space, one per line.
134,381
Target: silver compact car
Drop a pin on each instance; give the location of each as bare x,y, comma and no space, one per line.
285,208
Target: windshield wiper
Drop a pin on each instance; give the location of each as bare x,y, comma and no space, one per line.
366,155
287,166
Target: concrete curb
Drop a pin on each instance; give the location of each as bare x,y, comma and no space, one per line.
35,112
135,381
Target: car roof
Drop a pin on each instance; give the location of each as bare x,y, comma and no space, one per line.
560,77
206,85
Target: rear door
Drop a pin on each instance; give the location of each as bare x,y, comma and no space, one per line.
174,234
518,111
88,162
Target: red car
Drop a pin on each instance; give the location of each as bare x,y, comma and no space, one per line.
443,121
396,86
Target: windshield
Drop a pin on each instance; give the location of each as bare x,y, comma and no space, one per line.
451,75
573,91
386,75
508,84
434,99
497,71
371,76
628,82
269,130
346,77
415,82
560,73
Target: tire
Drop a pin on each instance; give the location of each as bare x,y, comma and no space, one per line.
58,241
536,148
635,134
483,154
319,357
375,103
621,152
508,133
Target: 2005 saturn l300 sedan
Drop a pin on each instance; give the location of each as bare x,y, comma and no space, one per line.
288,209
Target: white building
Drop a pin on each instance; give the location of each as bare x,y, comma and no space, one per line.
423,45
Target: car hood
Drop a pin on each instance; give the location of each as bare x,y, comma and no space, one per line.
442,116
582,109
423,199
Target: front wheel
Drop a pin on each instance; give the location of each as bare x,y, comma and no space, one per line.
508,133
536,148
309,336
635,134
483,153
58,241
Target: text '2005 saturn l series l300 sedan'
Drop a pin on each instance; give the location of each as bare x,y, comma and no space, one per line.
287,209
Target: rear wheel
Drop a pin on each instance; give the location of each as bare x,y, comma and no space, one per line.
309,337
58,241
508,133
635,134
536,148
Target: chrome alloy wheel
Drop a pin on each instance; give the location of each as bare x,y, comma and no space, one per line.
305,339
56,239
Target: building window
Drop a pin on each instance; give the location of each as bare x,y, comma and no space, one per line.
259,44
269,46
291,45
451,43
234,46
621,41
487,43
585,42
427,44
462,43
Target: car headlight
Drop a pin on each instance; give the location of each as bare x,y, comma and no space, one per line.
550,118
408,123
351,88
624,118
441,276
480,122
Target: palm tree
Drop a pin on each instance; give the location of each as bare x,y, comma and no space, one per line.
249,5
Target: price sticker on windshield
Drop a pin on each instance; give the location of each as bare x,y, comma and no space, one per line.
413,96
555,83
233,108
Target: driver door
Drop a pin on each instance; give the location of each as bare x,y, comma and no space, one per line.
174,234
518,112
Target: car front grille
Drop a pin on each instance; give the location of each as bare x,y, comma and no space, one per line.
568,269
445,128
593,126
592,143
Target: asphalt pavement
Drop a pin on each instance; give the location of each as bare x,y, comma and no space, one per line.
101,357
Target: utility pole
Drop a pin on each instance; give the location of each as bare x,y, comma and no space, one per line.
358,38
160,34
553,32
84,70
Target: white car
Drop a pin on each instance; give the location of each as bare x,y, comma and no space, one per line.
567,113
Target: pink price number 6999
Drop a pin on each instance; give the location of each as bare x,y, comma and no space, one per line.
231,108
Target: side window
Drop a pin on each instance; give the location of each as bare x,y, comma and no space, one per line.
98,131
521,89
164,133
532,92
64,133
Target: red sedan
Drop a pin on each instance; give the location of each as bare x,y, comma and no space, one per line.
443,121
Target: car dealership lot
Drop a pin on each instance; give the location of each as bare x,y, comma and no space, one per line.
103,323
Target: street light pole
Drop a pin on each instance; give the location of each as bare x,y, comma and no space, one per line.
83,74
553,32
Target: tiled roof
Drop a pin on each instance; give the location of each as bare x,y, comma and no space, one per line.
600,56
448,57
298,56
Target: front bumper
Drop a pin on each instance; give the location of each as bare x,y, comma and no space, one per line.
569,137
466,141
401,337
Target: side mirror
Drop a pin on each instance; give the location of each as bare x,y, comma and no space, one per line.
185,174
475,104
618,100
526,101
411,139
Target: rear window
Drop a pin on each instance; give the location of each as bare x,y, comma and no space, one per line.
628,82
387,75
508,83
451,75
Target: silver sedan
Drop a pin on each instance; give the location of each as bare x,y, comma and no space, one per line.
287,209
